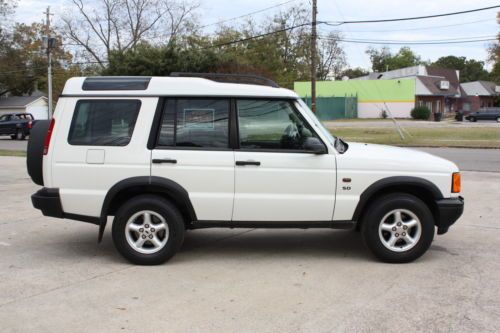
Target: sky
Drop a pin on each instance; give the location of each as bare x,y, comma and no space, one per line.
460,26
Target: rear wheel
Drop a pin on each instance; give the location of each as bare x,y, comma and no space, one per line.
398,228
498,119
472,119
148,230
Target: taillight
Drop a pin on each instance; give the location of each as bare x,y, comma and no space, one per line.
30,124
455,183
46,143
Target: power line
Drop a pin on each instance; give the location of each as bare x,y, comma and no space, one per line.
258,36
413,43
422,28
410,18
248,14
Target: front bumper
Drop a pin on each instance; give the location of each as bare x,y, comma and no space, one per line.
449,210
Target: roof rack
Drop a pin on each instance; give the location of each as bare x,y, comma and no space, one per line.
230,78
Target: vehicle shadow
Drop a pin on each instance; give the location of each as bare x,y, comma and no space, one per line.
216,244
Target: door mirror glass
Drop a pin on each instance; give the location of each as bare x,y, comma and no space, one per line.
314,145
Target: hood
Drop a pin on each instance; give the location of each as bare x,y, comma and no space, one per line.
367,156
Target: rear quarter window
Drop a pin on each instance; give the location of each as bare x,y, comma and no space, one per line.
103,122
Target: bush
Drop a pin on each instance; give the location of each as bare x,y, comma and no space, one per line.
384,114
421,113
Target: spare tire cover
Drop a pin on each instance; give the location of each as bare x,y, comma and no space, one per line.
34,160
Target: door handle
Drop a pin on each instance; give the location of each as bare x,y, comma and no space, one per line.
164,160
241,163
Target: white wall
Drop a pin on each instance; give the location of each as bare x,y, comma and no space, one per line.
39,109
374,109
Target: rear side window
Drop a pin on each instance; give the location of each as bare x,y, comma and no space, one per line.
103,122
199,123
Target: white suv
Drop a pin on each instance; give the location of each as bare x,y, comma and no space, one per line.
166,154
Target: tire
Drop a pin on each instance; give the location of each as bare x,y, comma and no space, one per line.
472,119
131,226
498,119
34,158
382,215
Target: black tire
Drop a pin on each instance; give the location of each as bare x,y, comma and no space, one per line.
384,205
472,119
34,158
160,206
498,119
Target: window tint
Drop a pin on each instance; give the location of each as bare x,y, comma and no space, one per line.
103,122
271,124
199,123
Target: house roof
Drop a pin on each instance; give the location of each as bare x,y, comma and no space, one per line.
479,88
18,102
432,84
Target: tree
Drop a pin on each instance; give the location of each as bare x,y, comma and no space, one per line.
470,69
23,62
120,25
352,73
494,57
383,60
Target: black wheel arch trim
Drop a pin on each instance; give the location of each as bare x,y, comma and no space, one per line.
143,185
394,182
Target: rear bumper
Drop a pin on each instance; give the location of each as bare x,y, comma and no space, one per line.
449,211
49,202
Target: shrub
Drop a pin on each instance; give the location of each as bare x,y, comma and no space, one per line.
421,113
384,114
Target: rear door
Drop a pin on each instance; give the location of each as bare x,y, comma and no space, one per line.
276,180
97,143
192,149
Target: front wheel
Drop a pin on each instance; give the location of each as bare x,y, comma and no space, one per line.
472,119
398,228
148,230
498,119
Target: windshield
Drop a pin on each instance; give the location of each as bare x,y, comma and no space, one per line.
316,121
4,117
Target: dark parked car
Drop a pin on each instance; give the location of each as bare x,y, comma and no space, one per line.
485,114
17,125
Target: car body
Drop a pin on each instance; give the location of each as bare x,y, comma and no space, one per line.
16,125
189,152
484,114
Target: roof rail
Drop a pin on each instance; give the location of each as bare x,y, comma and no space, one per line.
230,78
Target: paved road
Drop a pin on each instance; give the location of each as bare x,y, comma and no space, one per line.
470,159
411,124
7,143
56,278
466,159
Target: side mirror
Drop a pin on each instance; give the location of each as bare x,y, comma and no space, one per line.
314,145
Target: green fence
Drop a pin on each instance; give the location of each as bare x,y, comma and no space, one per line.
330,108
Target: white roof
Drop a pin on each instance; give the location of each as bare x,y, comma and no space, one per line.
183,86
477,88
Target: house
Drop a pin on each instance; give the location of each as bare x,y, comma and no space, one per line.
478,94
36,105
395,92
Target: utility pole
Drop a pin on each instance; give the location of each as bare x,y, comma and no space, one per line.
313,55
50,42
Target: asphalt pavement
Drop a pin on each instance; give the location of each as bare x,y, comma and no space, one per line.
56,278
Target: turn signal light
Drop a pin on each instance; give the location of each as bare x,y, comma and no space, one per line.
455,182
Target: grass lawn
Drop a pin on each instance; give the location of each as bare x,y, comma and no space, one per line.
426,137
12,153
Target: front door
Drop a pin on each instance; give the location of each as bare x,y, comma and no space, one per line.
275,179
192,149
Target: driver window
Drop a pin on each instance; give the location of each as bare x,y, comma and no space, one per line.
271,124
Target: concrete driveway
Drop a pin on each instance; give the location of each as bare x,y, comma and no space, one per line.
55,278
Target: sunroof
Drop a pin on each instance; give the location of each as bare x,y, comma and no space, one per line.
116,83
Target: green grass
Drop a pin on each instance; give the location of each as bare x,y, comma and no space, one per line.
432,137
4,152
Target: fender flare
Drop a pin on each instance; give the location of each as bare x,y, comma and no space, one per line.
146,184
394,182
